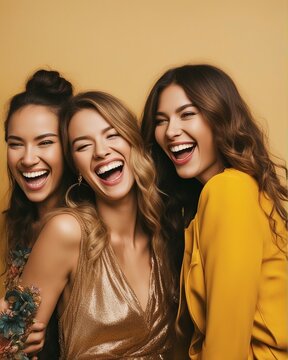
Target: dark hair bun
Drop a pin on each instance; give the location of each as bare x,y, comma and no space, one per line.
50,85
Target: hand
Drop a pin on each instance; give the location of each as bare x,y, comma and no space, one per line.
35,341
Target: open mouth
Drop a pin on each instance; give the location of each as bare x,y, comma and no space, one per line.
180,152
111,171
35,176
35,179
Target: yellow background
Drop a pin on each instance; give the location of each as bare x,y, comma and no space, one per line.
122,46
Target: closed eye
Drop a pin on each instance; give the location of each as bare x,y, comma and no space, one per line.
82,147
46,142
113,135
14,145
188,114
159,121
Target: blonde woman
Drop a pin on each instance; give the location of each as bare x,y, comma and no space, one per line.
104,262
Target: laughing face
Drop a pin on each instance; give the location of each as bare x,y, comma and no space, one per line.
185,136
34,153
101,155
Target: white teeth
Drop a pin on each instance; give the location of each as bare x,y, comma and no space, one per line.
110,166
34,174
177,148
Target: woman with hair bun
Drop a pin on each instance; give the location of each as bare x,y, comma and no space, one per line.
38,177
201,134
103,258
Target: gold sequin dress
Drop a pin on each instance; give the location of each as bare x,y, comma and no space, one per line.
107,321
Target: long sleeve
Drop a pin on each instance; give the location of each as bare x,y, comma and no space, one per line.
232,229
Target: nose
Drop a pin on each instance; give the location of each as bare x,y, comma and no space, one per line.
101,150
29,157
173,129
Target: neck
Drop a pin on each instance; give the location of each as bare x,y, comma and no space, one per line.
44,207
42,210
121,219
54,200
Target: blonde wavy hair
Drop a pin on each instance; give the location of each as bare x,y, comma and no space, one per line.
149,202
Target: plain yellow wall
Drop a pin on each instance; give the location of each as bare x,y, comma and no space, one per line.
122,46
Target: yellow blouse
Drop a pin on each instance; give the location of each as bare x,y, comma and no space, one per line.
234,277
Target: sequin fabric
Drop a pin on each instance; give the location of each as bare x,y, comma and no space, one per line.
108,322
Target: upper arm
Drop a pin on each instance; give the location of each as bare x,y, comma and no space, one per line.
52,260
231,230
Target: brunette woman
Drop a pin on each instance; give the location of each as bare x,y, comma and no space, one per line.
234,273
38,177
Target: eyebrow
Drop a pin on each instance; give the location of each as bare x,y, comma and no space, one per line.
178,110
39,137
85,137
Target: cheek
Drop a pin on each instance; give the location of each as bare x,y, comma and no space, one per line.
208,149
205,137
75,160
79,161
121,145
160,135
12,161
127,150
59,166
56,159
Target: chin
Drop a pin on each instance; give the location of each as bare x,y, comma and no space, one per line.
186,174
36,198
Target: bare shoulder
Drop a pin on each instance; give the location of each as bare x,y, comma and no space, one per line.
64,223
63,228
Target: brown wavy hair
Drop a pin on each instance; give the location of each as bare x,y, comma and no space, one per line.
49,89
149,201
239,140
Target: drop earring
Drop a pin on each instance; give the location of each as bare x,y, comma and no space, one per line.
80,178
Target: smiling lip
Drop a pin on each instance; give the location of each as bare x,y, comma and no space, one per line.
190,146
35,180
102,168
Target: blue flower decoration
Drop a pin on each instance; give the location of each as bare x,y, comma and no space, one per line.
11,325
20,256
22,302
15,322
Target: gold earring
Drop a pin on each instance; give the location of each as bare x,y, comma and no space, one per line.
80,178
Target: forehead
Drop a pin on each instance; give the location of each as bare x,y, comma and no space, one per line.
33,120
172,97
87,121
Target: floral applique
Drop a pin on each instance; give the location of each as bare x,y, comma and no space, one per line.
23,303
16,263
